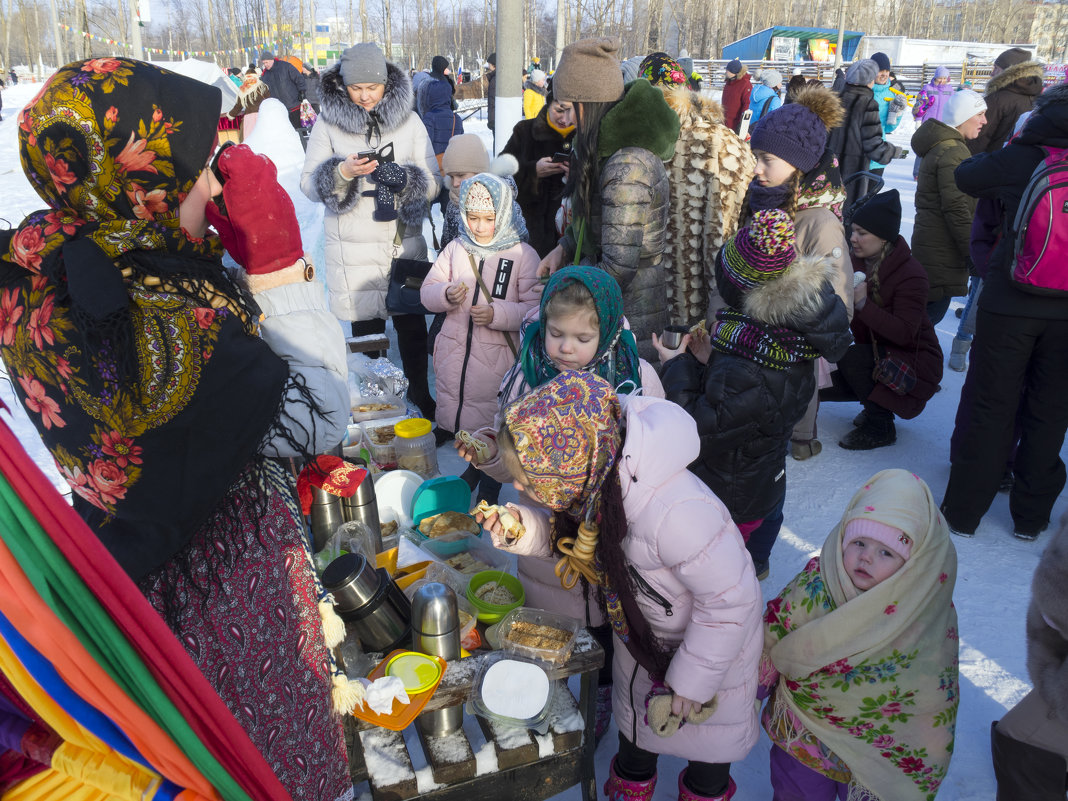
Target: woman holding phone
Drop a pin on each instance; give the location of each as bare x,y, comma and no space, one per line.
370,162
542,146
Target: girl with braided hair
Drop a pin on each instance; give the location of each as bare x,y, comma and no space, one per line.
608,476
889,319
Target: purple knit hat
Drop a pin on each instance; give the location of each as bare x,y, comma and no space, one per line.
794,133
760,252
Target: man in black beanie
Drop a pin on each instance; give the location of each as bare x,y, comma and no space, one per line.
439,71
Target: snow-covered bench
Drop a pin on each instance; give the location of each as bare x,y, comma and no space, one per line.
513,763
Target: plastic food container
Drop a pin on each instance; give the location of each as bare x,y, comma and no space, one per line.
512,683
415,447
464,555
379,437
488,611
556,648
376,407
442,494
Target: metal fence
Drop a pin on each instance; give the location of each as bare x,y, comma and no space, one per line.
914,76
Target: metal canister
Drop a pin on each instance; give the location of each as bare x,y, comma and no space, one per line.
362,506
436,631
326,515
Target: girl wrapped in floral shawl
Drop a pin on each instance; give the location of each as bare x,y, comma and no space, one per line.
860,654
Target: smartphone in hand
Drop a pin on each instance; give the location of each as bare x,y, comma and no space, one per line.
561,158
904,153
368,154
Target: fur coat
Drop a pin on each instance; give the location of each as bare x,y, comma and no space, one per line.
1008,95
1047,626
359,248
709,173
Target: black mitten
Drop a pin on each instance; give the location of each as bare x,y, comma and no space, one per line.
390,178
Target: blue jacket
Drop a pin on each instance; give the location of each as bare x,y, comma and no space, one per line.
883,96
441,122
758,98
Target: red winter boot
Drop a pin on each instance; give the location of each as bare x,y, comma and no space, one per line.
618,789
686,794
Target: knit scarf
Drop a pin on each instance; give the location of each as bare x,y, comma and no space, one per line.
771,346
616,359
763,198
873,675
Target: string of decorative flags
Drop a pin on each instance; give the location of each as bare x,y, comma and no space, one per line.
164,51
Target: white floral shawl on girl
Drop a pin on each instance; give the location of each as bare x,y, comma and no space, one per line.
872,675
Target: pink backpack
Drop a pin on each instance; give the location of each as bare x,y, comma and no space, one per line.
1040,254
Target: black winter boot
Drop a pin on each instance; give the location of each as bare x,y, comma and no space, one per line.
876,430
1025,772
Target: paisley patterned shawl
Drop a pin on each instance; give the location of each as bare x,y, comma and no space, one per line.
124,338
567,435
873,675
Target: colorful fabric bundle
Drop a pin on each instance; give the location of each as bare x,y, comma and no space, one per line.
95,662
661,69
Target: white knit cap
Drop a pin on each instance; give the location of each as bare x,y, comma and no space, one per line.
961,106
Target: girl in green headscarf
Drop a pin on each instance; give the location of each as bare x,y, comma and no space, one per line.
580,326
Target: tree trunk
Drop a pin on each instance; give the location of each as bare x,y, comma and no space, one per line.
363,20
388,18
239,58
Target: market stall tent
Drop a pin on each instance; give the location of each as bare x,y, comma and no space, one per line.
758,46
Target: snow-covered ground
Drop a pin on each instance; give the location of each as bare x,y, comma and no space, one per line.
994,568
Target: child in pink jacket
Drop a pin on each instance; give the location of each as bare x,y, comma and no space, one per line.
617,505
478,340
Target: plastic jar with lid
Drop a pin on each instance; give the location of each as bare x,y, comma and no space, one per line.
416,449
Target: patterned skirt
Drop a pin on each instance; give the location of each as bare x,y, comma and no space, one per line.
257,636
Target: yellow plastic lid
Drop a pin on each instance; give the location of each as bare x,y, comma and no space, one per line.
417,672
412,428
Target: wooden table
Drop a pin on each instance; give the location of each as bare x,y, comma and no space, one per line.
521,775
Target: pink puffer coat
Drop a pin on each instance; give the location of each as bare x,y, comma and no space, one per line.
696,587
470,360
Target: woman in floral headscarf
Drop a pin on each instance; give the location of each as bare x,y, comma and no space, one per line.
139,360
668,567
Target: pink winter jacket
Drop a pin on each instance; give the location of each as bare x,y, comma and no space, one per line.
470,360
694,582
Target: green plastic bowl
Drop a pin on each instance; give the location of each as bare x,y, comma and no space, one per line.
491,613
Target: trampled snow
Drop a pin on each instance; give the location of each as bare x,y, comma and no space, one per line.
994,576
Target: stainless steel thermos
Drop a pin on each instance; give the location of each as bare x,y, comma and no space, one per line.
436,631
326,515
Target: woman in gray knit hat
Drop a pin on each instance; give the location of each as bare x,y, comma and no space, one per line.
370,162
617,191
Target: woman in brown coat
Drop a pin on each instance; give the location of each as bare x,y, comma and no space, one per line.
889,316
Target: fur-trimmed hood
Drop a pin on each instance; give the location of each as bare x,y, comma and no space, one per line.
337,109
688,105
1030,75
794,298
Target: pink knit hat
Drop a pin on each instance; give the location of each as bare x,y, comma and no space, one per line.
893,538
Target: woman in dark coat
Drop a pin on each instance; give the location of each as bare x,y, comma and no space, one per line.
540,178
889,313
859,140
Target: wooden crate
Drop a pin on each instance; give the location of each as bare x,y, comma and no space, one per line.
522,773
